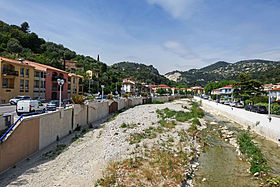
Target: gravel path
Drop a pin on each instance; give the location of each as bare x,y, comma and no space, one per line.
84,160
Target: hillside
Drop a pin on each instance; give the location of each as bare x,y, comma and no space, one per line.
142,73
19,42
259,69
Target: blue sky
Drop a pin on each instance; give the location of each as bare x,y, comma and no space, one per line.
169,34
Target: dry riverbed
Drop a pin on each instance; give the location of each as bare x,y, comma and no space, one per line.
170,144
135,146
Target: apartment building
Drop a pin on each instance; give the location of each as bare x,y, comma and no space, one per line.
75,84
16,78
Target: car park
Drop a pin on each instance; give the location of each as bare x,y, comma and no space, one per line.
259,109
28,106
15,100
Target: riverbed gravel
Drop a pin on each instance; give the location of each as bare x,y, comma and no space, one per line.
84,160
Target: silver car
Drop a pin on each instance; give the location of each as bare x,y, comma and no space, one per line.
19,98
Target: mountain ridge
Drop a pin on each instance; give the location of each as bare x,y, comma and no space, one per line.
222,70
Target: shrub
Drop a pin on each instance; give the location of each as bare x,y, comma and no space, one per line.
78,99
110,96
158,102
125,95
249,148
183,116
144,94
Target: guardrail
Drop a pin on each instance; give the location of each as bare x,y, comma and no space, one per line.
20,118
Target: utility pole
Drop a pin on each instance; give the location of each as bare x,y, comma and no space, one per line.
269,117
102,86
60,83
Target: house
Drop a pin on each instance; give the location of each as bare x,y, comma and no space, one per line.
70,64
271,86
197,90
275,94
16,78
226,90
75,84
128,85
52,89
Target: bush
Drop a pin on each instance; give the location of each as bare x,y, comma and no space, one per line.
125,95
78,99
144,94
110,96
259,99
158,102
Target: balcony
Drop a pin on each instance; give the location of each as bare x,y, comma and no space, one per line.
10,72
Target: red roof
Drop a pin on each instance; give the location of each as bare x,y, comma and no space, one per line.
276,89
228,86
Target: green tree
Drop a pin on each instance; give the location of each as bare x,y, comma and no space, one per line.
246,87
161,91
25,27
14,46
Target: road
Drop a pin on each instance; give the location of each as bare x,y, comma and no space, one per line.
7,109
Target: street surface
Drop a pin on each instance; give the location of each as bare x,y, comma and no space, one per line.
8,109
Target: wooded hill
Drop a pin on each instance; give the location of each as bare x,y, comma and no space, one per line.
263,70
19,42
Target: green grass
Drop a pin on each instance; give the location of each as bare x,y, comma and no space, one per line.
148,133
249,148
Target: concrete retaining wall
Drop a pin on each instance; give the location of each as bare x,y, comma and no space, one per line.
161,98
80,115
53,125
137,101
36,132
121,103
97,110
258,122
23,142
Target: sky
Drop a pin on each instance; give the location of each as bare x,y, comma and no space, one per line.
169,34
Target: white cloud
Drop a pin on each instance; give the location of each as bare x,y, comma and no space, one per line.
177,8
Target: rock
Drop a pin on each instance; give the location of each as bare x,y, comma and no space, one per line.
256,174
203,180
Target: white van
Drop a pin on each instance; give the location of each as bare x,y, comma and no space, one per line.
27,106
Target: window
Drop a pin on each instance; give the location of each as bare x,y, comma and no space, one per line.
26,85
4,83
22,72
27,73
42,84
37,74
37,84
21,85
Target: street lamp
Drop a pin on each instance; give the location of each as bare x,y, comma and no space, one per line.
102,86
60,83
269,117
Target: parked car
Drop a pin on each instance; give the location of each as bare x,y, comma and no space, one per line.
67,101
27,106
232,104
239,105
227,102
52,104
259,109
249,107
19,98
40,98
